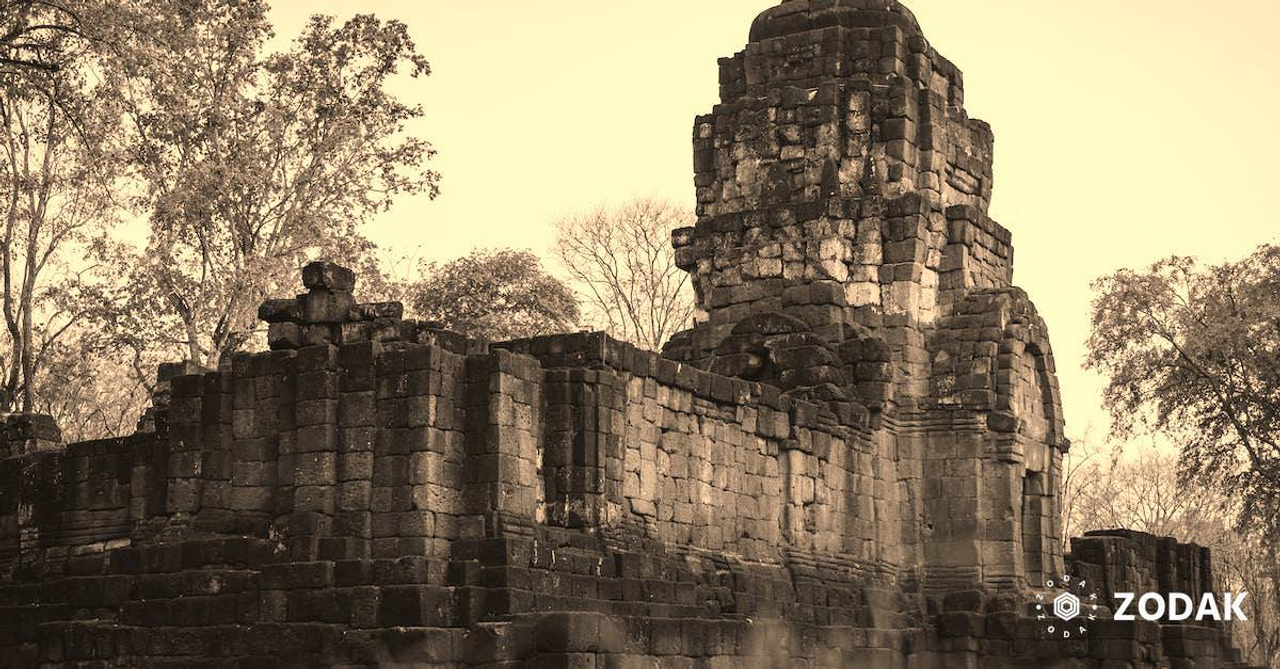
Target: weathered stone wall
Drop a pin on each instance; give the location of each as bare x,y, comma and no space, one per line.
1127,561
852,459
713,463
561,502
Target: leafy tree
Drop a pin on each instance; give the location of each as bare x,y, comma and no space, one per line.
1193,352
621,261
34,35
56,176
254,165
91,387
496,295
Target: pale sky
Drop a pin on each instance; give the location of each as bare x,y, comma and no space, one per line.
1126,130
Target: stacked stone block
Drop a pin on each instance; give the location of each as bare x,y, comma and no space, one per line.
710,461
261,447
309,467
737,526
154,418
29,433
1127,561
837,149
852,459
328,313
583,464
843,190
186,446
354,386
217,455
398,521
504,453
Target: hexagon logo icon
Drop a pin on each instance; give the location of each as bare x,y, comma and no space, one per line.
1066,606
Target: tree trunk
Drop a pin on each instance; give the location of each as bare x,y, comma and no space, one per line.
10,398
193,339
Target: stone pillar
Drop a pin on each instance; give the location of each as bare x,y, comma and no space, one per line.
186,442
583,461
798,470
999,522
952,502
366,417
400,526
1036,505
309,461
503,424
433,380
376,376
357,435
29,433
216,453
255,442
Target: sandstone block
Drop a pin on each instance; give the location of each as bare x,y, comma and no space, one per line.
328,276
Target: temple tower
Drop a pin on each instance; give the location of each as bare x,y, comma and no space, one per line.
843,252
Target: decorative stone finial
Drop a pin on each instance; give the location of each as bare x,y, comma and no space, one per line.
328,312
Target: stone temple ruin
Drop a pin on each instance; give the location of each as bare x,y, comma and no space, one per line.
851,460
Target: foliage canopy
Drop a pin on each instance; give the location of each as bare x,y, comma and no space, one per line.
1192,351
497,295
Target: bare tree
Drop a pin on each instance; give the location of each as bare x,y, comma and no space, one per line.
621,261
1079,482
91,387
1143,491
1146,491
